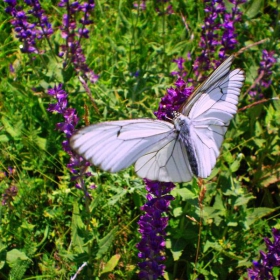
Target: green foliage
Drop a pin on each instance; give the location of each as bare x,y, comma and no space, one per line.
48,229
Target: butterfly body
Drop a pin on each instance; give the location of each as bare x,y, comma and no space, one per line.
185,128
165,151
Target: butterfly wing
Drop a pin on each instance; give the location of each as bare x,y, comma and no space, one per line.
211,82
214,106
168,164
116,145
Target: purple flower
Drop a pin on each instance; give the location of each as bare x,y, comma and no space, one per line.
12,190
262,269
38,12
73,33
69,114
264,74
173,100
229,40
28,32
179,61
71,119
152,228
8,196
152,225
209,37
141,5
216,22
268,60
162,9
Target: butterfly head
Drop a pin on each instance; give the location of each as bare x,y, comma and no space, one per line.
175,115
178,120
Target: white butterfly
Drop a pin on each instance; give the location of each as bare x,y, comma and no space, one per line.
164,151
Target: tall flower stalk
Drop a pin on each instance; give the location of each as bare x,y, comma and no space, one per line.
29,30
229,37
73,33
152,248
263,80
153,223
218,31
152,228
34,25
77,164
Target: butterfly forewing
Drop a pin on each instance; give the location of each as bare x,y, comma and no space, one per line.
210,82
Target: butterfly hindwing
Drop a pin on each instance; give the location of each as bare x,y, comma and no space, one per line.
211,82
170,163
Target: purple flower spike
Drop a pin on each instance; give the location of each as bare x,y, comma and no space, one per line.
71,119
28,32
73,33
263,269
264,74
152,228
152,225
209,36
265,67
229,40
216,20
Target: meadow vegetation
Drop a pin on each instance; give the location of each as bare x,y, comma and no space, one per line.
117,62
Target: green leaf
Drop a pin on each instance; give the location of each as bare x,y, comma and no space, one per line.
41,142
116,198
177,247
243,200
178,211
255,8
228,157
258,129
13,129
255,214
105,243
216,212
211,245
14,255
4,138
260,142
111,264
236,164
3,256
276,272
184,193
77,224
